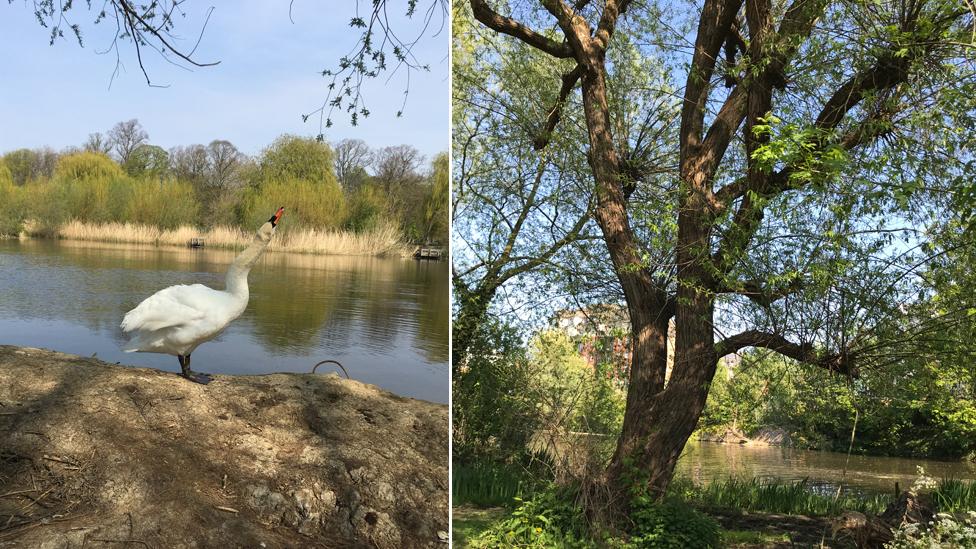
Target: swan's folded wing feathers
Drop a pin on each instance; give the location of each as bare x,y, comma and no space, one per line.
164,309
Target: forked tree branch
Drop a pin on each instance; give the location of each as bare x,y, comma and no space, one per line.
506,25
842,362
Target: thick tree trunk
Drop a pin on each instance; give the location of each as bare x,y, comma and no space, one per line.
658,420
657,424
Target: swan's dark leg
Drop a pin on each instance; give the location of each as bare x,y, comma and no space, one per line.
200,378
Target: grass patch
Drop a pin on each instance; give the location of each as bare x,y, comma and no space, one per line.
774,496
488,484
734,538
470,521
381,241
955,496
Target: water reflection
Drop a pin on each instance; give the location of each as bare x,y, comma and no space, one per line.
386,319
705,462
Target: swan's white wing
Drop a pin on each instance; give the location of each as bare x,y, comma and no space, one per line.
170,307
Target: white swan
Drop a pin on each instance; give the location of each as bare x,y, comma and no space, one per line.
177,319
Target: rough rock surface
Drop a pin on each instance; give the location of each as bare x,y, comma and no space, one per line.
728,436
98,455
771,436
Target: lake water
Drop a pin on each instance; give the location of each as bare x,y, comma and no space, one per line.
705,462
385,320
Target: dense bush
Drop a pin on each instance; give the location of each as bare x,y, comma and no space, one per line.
308,203
167,204
494,406
506,394
551,518
574,395
83,166
436,211
671,524
367,208
547,519
292,157
148,161
945,531
11,214
919,407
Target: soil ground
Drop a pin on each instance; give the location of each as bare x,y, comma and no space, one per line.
98,455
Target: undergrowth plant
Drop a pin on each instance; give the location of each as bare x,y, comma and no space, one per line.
774,496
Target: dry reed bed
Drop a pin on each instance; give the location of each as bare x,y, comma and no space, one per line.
382,241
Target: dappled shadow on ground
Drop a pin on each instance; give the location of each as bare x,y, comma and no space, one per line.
93,453
793,531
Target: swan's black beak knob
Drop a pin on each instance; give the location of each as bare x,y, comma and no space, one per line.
277,215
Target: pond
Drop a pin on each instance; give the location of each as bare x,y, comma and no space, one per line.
704,462
385,319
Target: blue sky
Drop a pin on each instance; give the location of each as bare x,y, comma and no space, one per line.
269,74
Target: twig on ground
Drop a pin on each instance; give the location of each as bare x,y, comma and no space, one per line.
59,460
16,493
104,540
336,362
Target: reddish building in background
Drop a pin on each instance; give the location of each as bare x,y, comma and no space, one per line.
602,336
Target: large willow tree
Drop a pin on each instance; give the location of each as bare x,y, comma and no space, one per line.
818,145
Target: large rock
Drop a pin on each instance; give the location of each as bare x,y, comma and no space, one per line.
726,436
94,454
771,436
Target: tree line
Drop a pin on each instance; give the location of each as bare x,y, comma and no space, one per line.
345,185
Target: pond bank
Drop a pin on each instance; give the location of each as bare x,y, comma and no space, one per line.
382,241
93,451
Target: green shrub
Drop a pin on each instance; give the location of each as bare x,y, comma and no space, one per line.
168,204
86,166
6,178
147,161
11,212
367,206
293,157
547,519
307,204
945,531
22,165
82,199
493,397
671,524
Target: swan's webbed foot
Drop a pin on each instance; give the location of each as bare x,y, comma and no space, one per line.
196,377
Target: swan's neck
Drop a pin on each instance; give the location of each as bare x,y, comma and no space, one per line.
236,281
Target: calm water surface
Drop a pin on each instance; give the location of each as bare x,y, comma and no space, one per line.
705,462
385,320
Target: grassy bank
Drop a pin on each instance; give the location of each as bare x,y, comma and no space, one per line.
380,241
751,513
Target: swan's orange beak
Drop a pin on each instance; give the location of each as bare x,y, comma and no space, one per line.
277,215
